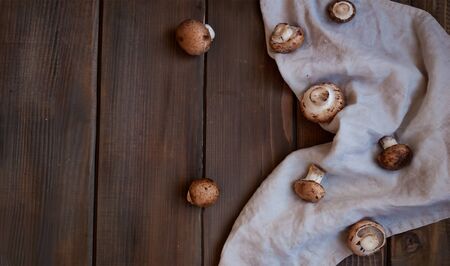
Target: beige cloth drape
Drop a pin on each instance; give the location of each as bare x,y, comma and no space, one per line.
393,62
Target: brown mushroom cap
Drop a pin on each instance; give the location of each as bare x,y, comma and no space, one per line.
366,237
193,37
203,192
341,5
321,102
309,190
294,42
395,157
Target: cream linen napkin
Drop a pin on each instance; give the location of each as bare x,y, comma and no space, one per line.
394,63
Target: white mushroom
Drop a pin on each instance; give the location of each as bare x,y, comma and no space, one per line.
341,11
309,188
366,237
286,38
321,102
194,37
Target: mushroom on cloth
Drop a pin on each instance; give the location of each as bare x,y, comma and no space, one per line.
309,188
321,102
286,38
341,11
366,237
394,156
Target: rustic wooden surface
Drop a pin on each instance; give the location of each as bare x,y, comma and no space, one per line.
104,122
427,245
47,131
151,136
249,115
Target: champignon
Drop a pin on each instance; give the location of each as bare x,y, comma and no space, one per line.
366,237
309,188
194,37
321,102
203,192
394,156
341,11
286,38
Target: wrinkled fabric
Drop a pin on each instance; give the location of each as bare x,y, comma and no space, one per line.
393,62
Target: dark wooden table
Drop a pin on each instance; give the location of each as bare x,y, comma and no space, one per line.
104,122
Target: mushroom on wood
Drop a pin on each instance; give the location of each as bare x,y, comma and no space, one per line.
194,37
203,192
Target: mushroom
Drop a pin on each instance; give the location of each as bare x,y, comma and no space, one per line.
286,38
341,11
203,192
321,102
194,37
309,188
366,237
394,156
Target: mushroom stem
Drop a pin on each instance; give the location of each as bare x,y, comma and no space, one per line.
211,31
315,174
188,197
342,9
286,34
366,237
387,141
319,95
370,242
283,32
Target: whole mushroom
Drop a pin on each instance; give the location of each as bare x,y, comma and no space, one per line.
394,156
194,37
366,237
321,102
309,188
286,38
341,11
203,192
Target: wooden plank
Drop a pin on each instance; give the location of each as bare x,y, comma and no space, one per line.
249,115
48,52
440,9
405,2
377,259
150,144
308,133
427,245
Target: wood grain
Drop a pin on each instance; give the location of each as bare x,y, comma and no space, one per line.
377,259
150,142
427,245
440,9
308,133
164,119
47,131
405,2
249,115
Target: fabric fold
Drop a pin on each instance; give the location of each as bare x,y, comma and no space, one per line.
393,62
